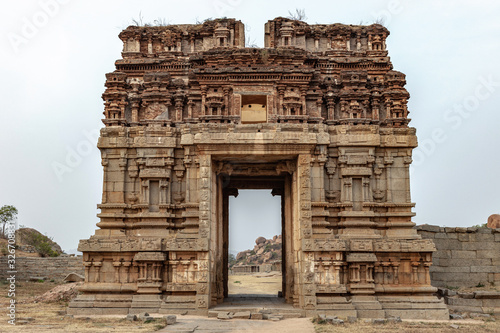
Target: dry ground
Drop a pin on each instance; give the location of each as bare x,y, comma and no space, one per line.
49,317
258,284
411,327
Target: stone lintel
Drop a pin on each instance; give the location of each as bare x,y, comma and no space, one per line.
150,256
361,257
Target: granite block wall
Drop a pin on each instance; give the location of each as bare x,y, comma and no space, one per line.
465,257
51,268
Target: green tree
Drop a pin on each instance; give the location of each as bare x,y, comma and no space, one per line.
231,260
7,214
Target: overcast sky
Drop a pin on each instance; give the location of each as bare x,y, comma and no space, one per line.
54,55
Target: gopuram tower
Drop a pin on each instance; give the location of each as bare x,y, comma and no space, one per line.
318,116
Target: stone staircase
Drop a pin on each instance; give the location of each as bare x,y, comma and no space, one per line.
258,308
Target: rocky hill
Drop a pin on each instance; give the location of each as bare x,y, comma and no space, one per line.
265,251
32,243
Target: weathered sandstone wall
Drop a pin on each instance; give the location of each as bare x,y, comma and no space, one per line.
51,268
465,257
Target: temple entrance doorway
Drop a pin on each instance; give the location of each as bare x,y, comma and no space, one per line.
276,229
255,251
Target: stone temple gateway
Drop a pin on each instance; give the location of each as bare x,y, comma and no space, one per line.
318,117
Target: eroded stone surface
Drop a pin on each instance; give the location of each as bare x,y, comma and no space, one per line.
494,221
319,117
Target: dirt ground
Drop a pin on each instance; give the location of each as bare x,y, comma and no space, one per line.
257,284
411,327
50,317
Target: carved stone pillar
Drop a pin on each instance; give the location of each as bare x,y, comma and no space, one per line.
347,189
369,273
134,105
105,163
354,273
122,165
191,42
126,265
97,270
281,96
388,160
87,265
407,161
414,272
427,265
203,100
395,269
190,104
366,190
303,92
117,265
331,168
337,267
226,101
385,268
179,105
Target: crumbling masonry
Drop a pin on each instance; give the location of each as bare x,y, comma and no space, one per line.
318,116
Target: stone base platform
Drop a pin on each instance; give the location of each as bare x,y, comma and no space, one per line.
414,307
259,307
116,304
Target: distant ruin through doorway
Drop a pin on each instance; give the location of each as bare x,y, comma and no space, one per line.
255,214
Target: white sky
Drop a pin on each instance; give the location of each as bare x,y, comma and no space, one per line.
54,54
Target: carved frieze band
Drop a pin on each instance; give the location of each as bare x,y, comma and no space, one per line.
143,244
383,245
204,186
304,180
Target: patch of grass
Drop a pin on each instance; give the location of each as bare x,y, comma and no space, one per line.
479,285
237,281
318,320
159,327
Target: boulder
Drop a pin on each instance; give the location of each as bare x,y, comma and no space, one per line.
260,240
494,221
143,316
131,317
74,277
242,254
170,319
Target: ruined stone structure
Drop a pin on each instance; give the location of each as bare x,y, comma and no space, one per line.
465,257
318,116
48,268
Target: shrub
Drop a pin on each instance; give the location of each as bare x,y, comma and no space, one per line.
41,243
